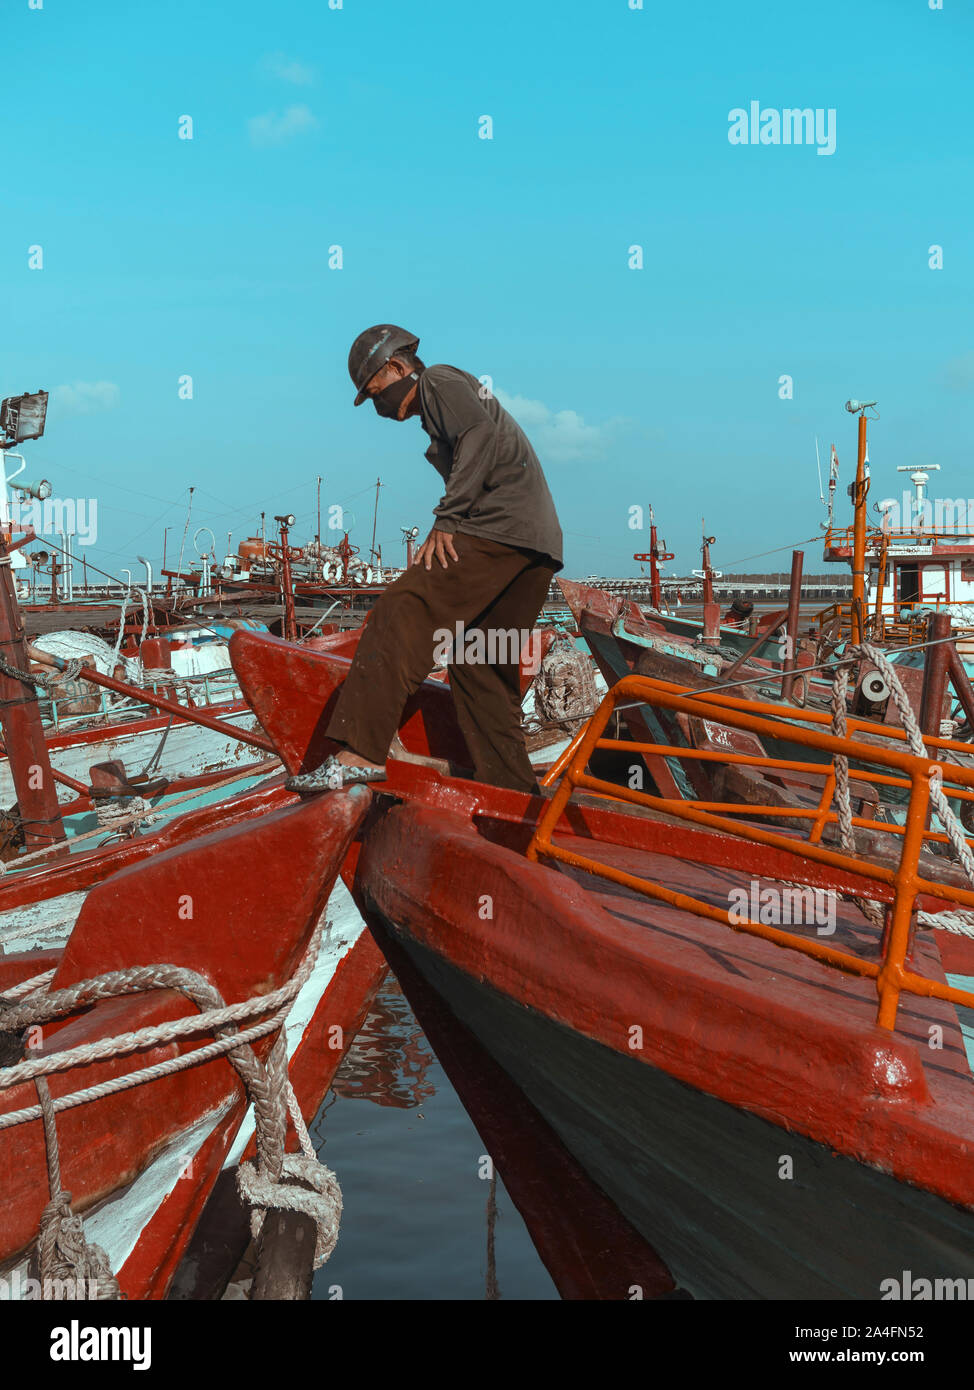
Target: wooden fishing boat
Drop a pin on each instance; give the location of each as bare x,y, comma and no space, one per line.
146,742
85,723
622,638
623,642
728,1081
230,892
235,910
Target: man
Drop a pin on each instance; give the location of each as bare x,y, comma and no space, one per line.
486,566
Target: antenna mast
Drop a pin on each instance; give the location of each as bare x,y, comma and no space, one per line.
375,516
182,543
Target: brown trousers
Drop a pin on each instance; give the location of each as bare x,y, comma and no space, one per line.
492,589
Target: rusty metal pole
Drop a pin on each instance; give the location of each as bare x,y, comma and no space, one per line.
935,665
655,588
656,557
859,539
794,602
192,715
961,681
290,626
711,613
879,626
23,733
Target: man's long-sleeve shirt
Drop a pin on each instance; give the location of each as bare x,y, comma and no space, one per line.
494,484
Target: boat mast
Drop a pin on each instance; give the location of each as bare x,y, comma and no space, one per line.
655,589
859,493
654,556
182,544
287,589
22,418
711,613
20,716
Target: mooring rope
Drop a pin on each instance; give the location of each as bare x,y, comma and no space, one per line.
157,812
318,1196
962,923
27,986
64,1261
72,669
296,1182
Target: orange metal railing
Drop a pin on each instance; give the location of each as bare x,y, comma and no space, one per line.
898,889
842,537
884,622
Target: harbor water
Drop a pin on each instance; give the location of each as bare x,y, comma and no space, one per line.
422,1218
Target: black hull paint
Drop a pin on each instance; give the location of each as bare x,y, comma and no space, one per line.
702,1180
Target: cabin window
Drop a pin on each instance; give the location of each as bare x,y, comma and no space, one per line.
967,570
935,584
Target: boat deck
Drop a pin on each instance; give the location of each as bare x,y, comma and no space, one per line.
711,951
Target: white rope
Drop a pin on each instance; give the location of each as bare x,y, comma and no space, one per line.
65,1001
138,1078
111,812
961,923
300,1128
313,1189
145,614
121,627
27,986
279,1180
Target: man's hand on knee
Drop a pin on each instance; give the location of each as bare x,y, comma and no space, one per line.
438,544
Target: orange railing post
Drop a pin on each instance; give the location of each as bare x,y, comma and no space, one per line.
585,746
891,976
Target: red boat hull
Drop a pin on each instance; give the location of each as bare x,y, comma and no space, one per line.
689,1133
237,907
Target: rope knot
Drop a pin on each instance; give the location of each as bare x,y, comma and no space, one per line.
67,1265
311,1188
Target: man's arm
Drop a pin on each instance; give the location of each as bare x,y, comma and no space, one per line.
458,417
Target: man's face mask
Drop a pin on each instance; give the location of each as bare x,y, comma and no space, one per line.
388,401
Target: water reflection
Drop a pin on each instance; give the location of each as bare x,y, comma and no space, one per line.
389,1061
423,1218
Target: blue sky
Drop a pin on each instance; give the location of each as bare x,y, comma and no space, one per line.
358,127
